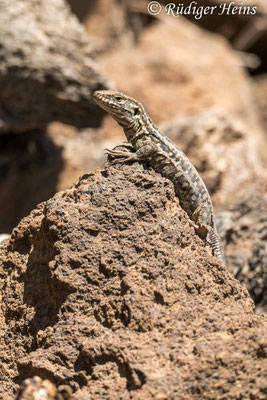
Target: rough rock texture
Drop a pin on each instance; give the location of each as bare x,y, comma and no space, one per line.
243,230
46,69
107,289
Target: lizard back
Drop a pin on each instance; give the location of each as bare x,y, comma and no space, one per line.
173,164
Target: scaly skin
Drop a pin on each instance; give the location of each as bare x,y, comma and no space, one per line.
163,156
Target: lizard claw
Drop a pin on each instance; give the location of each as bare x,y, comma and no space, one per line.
114,153
120,151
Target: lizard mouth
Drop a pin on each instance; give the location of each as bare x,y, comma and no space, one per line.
105,102
99,97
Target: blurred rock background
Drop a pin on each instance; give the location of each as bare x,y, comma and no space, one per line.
203,81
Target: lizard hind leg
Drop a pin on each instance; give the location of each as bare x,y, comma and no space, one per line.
204,220
202,215
210,236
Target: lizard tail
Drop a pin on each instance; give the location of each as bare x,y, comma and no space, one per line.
215,245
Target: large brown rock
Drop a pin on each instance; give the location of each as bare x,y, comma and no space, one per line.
106,288
46,71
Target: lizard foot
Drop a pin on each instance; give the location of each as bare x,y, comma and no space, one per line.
122,153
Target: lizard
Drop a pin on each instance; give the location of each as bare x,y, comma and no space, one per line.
152,146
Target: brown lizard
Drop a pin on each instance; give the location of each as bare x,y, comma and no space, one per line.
163,156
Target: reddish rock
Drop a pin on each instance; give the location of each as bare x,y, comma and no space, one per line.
107,289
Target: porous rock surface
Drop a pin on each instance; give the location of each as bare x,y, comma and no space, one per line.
46,70
107,289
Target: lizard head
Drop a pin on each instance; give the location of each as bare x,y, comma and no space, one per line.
125,110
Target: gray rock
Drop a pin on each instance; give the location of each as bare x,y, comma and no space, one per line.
46,70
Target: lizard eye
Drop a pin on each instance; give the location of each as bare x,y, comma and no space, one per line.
118,98
136,111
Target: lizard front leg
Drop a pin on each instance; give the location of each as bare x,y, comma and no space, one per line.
120,151
126,154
